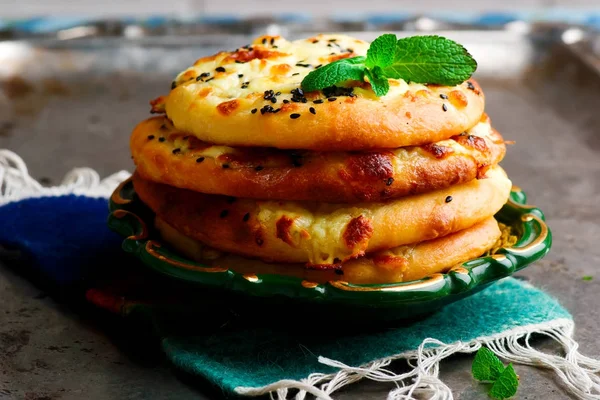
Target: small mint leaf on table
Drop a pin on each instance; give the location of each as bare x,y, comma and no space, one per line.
379,83
431,59
506,385
486,366
381,51
338,71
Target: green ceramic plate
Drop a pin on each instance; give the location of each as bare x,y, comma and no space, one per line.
133,220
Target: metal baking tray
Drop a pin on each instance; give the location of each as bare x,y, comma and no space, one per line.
73,103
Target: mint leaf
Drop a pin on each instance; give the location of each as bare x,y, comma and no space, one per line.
506,385
486,366
338,71
381,52
379,83
431,59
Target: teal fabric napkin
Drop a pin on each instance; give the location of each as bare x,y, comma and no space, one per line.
253,352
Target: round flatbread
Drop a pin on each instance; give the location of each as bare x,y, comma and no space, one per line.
321,234
252,97
404,263
165,155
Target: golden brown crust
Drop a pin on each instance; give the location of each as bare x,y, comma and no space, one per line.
247,99
323,233
342,177
400,264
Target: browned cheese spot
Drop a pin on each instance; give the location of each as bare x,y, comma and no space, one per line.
358,230
368,166
228,107
284,225
257,53
281,69
204,92
437,151
471,141
458,99
338,57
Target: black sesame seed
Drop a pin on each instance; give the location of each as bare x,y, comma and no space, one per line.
338,272
175,151
272,41
225,166
231,200
329,45
443,96
259,241
209,79
276,110
150,137
302,65
240,75
318,66
199,159
319,101
332,99
275,47
332,54
224,213
312,110
246,217
245,85
286,101
298,92
444,107
294,116
254,110
389,181
161,139
259,168
198,78
264,41
173,85
278,94
315,41
448,199
220,69
304,100
296,73
350,50
239,62
163,127
273,100
332,40
266,109
470,85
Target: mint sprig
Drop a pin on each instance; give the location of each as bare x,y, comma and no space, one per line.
488,368
421,59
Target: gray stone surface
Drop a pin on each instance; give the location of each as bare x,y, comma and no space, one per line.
49,350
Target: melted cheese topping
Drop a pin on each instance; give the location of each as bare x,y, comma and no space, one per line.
279,65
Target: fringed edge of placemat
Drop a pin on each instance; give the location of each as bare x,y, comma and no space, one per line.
16,183
576,372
